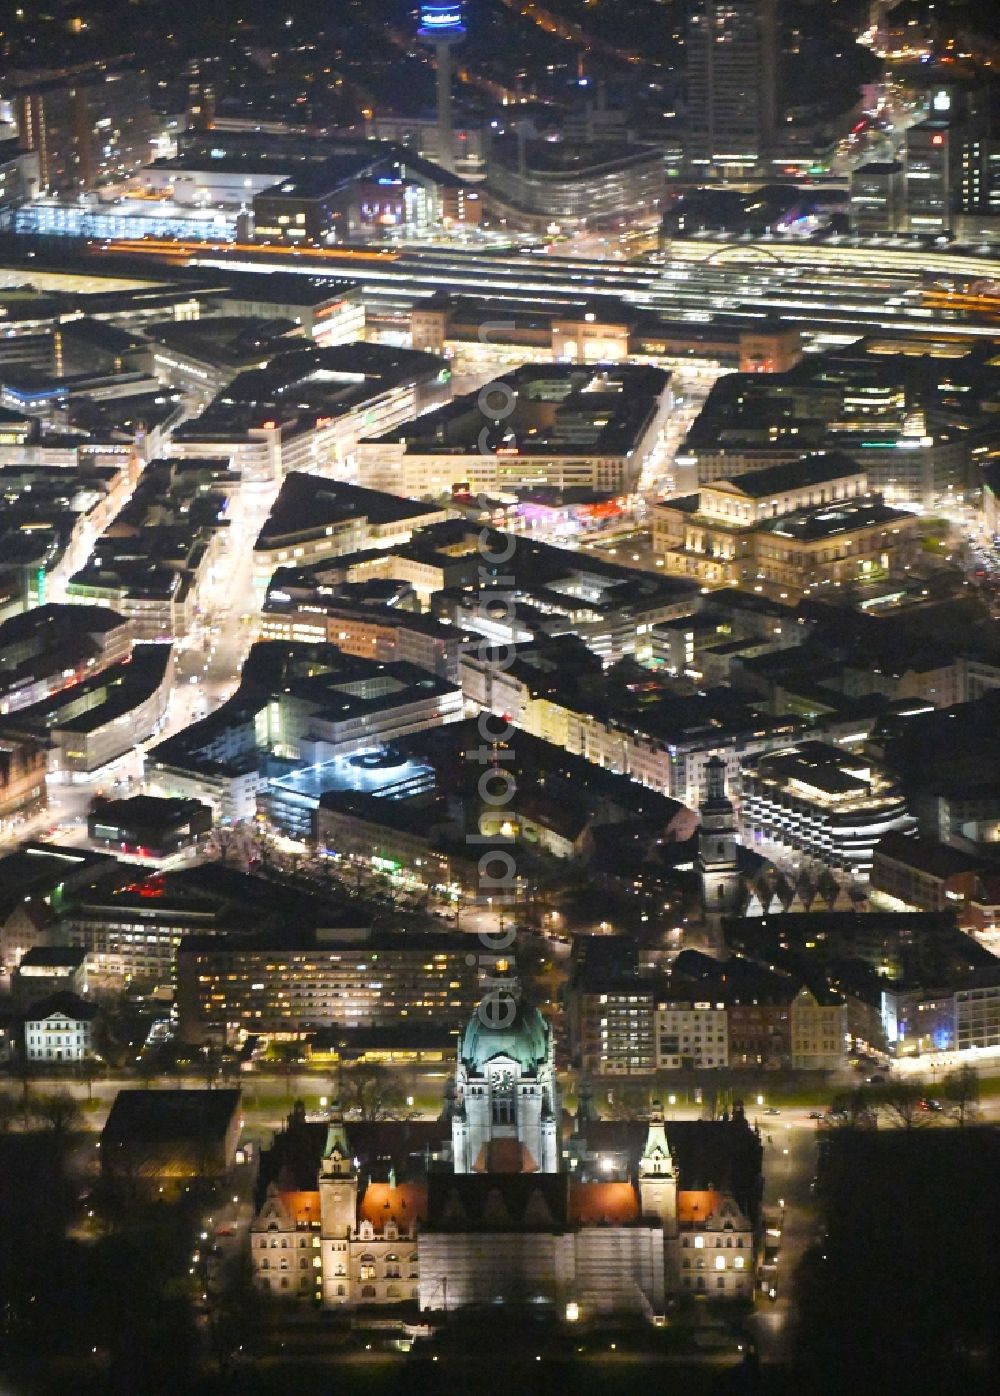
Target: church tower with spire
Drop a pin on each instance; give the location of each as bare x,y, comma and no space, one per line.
657,1175
658,1192
718,847
338,1207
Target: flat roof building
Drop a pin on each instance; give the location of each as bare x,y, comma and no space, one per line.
151,560
574,184
290,984
90,723
560,425
313,519
306,409
325,308
88,125
824,801
732,52
797,526
201,356
147,825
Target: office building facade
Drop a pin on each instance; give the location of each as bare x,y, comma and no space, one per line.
347,978
87,130
731,78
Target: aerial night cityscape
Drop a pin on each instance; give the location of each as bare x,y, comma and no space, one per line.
500,697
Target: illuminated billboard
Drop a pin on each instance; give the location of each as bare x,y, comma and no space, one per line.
441,21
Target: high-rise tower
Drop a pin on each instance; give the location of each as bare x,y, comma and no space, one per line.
441,24
732,76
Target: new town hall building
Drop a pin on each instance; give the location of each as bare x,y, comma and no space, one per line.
505,1199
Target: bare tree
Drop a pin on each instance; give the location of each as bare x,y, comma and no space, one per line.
118,1191
534,964
374,1091
230,1067
60,1114
960,1089
901,1102
91,1070
146,1070
112,1039
23,1070
61,1117
209,1064
858,1109
230,845
235,1314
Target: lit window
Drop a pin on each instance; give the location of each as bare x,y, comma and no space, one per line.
720,1262
699,1243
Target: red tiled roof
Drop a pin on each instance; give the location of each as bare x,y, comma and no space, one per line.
504,1156
404,1204
593,1203
302,1207
696,1206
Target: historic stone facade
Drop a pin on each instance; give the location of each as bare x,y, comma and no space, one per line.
493,1203
507,1097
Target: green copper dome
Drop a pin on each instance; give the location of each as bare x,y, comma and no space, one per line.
525,1038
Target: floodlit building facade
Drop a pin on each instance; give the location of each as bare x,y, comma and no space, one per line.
487,1205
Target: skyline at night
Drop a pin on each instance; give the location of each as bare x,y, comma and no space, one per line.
499,680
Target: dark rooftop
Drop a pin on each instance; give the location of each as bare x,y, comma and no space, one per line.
53,957
307,503
810,470
165,1117
225,341
146,810
842,516
69,1005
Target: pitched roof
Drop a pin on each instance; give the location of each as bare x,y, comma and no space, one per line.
773,479
158,1117
66,1006
293,1160
696,1205
497,1202
404,1203
302,1207
927,855
53,957
505,1156
708,1154
614,1204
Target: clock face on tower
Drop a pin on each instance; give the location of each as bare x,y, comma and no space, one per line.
502,1078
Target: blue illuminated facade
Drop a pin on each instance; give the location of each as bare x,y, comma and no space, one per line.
290,800
110,222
